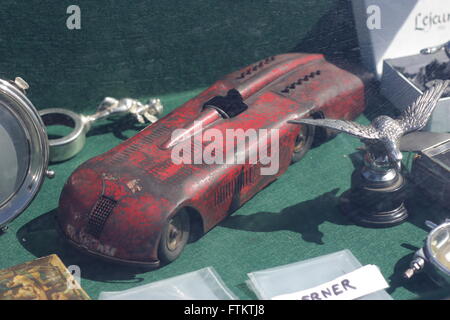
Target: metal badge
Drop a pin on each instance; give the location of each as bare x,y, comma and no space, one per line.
25,153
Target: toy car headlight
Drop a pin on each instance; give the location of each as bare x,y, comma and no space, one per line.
23,150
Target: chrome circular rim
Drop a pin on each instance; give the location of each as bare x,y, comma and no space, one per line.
431,257
19,105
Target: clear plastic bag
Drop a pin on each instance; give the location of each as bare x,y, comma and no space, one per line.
203,284
306,274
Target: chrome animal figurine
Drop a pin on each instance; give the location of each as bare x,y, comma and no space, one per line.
140,111
382,136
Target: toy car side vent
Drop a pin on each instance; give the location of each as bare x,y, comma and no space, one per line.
123,155
300,81
256,67
99,214
245,178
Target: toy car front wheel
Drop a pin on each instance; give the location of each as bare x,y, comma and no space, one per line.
303,142
174,237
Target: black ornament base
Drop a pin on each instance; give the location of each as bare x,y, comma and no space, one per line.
372,204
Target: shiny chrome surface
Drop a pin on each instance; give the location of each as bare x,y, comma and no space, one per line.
64,148
434,257
382,136
438,248
13,99
431,50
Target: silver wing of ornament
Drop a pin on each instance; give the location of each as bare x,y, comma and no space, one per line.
350,127
416,116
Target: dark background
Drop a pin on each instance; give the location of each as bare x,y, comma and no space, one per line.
141,48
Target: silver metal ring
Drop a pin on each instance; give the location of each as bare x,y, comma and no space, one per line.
15,103
64,148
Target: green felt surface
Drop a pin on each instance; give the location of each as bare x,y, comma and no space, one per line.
173,50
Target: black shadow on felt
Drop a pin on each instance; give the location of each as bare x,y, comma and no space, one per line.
304,218
41,237
117,127
420,284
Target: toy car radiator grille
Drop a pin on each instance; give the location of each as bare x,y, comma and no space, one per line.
99,215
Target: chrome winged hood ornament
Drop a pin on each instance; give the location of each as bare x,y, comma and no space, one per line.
382,136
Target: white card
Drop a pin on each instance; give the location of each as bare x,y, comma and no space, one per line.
390,29
353,285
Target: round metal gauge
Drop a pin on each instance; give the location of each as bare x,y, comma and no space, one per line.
23,150
437,250
434,257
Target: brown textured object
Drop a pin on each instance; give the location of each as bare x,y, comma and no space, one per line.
45,278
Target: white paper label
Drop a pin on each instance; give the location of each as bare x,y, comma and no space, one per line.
397,28
353,285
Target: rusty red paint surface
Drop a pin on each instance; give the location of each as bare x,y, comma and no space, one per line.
148,188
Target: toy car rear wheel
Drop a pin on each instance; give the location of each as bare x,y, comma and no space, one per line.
174,237
303,142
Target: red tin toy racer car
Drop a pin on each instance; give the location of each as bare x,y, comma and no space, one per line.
138,204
